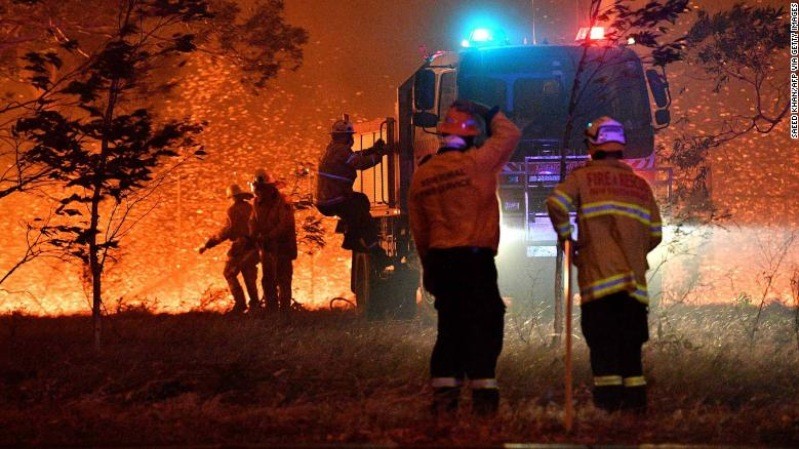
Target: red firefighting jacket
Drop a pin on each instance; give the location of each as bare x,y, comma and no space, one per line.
453,195
338,170
618,222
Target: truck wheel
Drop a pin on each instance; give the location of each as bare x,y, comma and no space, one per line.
361,279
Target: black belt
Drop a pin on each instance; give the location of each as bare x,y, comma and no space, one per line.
477,250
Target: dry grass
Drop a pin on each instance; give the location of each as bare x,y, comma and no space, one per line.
330,377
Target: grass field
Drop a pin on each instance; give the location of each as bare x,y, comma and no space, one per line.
332,376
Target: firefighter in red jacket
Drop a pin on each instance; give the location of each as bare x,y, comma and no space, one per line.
334,195
618,224
272,228
454,216
242,257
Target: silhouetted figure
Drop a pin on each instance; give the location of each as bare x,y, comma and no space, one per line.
272,228
242,257
335,196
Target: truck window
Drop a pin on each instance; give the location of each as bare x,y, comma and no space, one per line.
449,92
486,90
535,98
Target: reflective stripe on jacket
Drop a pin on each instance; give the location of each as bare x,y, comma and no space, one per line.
453,196
618,222
338,170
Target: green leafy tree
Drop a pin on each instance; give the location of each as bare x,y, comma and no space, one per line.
90,128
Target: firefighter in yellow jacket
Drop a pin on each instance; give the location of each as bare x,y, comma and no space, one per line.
242,257
618,224
454,216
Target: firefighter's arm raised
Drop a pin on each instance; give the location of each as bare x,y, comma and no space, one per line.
498,148
361,160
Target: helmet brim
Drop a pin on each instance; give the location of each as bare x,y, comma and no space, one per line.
607,146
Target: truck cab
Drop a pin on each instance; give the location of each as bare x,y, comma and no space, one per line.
533,85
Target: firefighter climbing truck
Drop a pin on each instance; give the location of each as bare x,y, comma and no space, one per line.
533,85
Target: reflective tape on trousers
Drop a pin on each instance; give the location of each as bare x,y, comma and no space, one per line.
483,384
637,381
444,382
607,381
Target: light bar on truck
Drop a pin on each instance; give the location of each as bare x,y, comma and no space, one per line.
484,37
597,34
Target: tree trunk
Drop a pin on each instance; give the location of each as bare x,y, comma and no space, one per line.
96,270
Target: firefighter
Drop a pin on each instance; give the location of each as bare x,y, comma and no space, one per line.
335,196
242,257
454,217
272,229
619,224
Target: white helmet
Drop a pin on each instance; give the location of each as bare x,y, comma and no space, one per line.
605,133
343,126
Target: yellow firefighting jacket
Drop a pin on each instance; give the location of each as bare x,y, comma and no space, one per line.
453,195
338,170
618,222
236,227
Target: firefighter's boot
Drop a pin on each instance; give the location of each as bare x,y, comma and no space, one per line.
608,397
634,399
445,400
485,401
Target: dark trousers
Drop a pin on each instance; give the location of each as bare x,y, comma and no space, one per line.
241,259
284,271
277,272
269,279
615,328
470,320
361,226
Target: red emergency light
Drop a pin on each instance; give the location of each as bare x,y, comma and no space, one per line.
596,34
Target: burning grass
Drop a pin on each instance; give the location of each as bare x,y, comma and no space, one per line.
332,377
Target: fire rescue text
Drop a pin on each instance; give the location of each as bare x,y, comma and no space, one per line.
620,184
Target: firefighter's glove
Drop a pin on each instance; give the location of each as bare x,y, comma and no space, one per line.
380,147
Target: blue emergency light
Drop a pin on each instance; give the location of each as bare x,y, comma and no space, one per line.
484,37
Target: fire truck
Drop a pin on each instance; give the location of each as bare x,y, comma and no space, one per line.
533,85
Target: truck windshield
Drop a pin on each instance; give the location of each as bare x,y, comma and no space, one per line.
533,87
484,89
